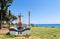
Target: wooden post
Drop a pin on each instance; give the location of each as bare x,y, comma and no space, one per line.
20,22
20,17
28,18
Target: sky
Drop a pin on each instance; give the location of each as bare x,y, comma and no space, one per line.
42,11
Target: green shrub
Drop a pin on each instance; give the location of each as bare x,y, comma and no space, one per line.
53,27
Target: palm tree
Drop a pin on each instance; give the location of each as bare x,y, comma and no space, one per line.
11,17
4,4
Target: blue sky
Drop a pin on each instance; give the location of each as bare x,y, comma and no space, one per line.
42,11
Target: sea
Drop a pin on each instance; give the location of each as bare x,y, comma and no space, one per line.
48,25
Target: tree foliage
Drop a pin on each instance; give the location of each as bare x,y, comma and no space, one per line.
10,16
4,4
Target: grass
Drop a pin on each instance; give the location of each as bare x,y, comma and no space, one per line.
26,35
38,33
48,33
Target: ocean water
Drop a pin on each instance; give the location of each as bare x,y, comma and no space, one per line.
47,25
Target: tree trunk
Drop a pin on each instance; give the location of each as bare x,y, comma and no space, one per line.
0,24
9,24
1,21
